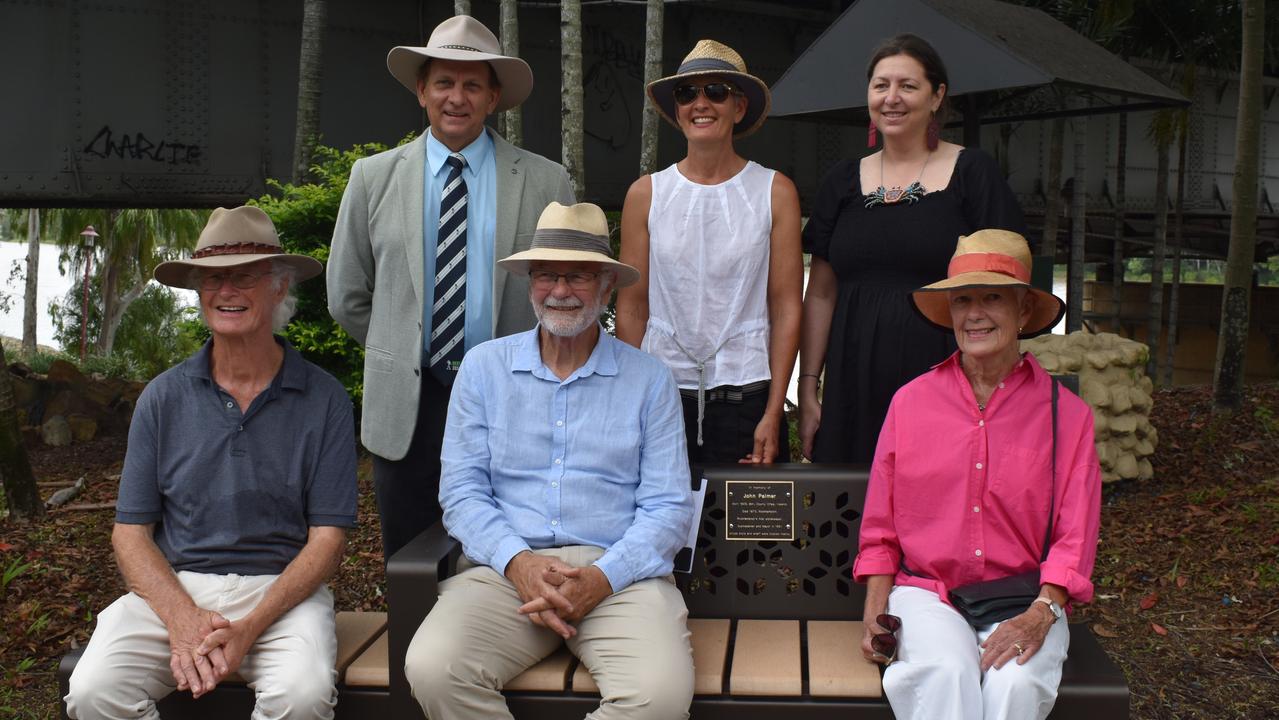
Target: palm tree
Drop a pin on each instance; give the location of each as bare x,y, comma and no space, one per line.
132,242
1227,381
310,74
20,491
512,122
571,95
652,71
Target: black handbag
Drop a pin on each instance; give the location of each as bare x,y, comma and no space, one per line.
993,601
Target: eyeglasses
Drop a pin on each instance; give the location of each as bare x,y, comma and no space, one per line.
577,280
716,92
885,643
242,280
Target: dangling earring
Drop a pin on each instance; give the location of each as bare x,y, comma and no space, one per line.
872,137
933,135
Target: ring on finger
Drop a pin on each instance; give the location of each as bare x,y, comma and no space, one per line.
1020,649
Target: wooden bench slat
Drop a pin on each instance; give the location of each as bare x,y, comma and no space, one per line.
356,631
710,654
766,658
583,682
836,667
550,675
370,669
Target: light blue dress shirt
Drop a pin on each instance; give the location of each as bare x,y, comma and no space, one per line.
480,175
598,459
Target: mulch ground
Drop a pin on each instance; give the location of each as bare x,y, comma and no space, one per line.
1187,572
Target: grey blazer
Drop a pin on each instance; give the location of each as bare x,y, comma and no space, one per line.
375,268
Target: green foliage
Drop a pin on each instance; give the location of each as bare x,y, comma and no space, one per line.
304,216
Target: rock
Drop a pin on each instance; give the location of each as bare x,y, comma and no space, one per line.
1123,424
1119,402
1097,359
1105,455
56,432
1127,467
65,372
1144,448
1094,393
1127,441
83,428
1101,424
1144,470
1140,400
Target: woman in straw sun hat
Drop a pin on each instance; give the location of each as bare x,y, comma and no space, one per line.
985,470
880,227
716,241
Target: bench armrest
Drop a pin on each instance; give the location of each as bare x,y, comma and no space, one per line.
413,578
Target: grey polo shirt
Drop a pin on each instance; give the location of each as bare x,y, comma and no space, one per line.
234,492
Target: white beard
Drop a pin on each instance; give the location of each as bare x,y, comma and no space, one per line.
564,324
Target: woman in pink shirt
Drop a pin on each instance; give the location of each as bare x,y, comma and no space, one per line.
960,492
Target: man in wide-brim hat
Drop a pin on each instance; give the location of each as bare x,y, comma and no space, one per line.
411,275
237,489
566,481
721,234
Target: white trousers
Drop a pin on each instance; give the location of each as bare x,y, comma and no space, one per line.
937,674
635,644
125,668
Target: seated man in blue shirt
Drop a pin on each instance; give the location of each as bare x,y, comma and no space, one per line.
237,489
565,478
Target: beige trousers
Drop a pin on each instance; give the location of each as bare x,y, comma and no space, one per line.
125,668
635,644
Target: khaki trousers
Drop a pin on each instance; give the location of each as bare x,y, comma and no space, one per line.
635,644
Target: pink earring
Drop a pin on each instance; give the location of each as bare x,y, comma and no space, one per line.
933,135
872,137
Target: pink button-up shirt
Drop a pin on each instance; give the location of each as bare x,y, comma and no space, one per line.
964,493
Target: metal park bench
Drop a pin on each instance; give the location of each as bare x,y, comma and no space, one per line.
776,624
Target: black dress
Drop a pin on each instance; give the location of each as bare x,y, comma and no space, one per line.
877,341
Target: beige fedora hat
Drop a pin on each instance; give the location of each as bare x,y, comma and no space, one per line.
464,38
709,57
989,258
238,236
571,233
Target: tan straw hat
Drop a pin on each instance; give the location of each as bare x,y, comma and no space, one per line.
464,38
989,258
713,58
573,233
238,236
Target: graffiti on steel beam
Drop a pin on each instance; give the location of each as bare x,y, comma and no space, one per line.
107,144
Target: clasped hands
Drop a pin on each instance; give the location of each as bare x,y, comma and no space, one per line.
205,647
556,595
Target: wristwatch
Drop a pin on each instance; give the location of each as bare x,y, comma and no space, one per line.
1053,607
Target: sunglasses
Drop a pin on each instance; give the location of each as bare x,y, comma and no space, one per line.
885,643
716,92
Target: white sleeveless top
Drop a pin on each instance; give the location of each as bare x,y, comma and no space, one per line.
708,276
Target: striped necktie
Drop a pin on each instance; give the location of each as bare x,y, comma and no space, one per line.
448,313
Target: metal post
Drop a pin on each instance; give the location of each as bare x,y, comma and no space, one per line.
87,237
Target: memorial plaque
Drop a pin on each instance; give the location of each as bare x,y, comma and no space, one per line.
760,510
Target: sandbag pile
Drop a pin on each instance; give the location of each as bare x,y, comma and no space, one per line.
1112,380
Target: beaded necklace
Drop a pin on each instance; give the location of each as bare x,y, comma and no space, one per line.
910,195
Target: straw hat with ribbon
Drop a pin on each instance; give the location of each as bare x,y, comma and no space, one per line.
464,38
713,58
989,258
238,236
573,233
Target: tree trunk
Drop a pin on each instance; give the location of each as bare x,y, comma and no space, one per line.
20,492
1174,305
1236,294
512,122
650,122
31,292
1052,193
1078,228
1154,321
1117,248
310,74
461,7
571,94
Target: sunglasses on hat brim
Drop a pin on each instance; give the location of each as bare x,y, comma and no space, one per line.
716,92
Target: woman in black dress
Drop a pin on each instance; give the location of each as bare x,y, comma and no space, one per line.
881,227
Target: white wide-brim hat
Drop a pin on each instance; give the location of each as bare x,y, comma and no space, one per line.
989,258
572,233
238,236
464,38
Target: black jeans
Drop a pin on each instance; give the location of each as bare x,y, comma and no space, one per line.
728,429
408,490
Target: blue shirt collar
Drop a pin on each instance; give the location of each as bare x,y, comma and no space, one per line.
476,153
528,357
292,372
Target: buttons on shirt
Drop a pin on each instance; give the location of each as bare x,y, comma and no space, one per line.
559,423
981,423
554,484
976,509
240,428
1001,385
977,552
558,461
229,404
979,466
557,522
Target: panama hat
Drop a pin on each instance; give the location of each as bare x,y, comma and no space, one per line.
713,58
464,38
572,233
989,258
238,236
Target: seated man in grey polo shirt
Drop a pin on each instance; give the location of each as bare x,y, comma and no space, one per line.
238,484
